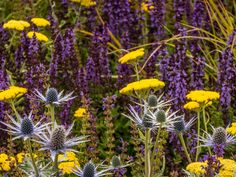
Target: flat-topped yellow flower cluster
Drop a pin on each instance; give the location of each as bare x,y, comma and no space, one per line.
39,36
80,112
232,130
192,105
227,169
12,93
18,25
132,56
6,162
142,85
69,161
202,96
86,3
40,22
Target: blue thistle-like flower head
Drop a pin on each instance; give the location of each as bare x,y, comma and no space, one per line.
89,170
27,126
51,96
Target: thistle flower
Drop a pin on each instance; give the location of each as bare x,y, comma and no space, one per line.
25,128
180,126
90,170
52,96
219,137
56,140
39,36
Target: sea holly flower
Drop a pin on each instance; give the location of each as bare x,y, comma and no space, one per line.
180,125
132,56
90,170
56,140
12,93
40,22
38,36
219,137
52,97
25,128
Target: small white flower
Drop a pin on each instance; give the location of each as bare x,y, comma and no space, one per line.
56,140
52,96
25,128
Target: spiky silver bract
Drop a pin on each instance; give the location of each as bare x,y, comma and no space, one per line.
25,128
43,170
90,170
180,125
52,96
219,137
56,140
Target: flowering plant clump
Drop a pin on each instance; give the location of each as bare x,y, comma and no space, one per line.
123,88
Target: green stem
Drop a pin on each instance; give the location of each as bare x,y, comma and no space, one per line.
147,153
15,111
184,146
52,112
136,70
155,147
32,157
205,124
198,134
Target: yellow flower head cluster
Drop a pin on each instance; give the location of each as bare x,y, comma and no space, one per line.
40,22
86,3
68,162
132,56
12,92
80,112
196,167
146,7
21,156
202,96
16,25
232,130
227,169
142,85
6,162
192,105
39,36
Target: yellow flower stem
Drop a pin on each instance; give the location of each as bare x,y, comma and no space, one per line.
147,152
198,134
155,147
205,124
32,157
15,111
185,147
52,112
136,71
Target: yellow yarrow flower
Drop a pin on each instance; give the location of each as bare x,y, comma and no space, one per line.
40,22
132,56
196,168
39,36
202,96
86,3
6,162
146,6
68,162
12,93
232,130
80,112
142,85
192,105
16,25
